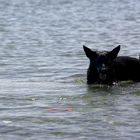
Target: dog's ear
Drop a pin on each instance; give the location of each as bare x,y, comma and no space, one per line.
89,53
113,54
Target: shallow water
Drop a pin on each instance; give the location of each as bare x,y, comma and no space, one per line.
43,90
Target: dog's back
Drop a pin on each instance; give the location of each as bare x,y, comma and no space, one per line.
127,68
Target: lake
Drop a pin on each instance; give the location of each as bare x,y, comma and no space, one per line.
43,90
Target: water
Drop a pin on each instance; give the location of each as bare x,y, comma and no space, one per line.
43,90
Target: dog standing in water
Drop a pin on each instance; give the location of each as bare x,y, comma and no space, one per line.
107,67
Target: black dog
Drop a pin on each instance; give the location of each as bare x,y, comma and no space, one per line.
106,68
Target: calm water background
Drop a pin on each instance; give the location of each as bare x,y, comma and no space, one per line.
43,91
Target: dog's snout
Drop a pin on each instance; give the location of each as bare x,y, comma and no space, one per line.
103,71
103,68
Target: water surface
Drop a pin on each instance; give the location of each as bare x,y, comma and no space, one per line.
43,90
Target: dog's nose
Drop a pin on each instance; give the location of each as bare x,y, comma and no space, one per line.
102,76
103,68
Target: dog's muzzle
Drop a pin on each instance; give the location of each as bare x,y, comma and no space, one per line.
103,73
102,76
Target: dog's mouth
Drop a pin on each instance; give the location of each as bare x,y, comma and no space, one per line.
102,76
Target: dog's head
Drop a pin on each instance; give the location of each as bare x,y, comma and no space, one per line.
100,69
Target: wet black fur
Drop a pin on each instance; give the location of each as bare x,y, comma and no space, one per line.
107,67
